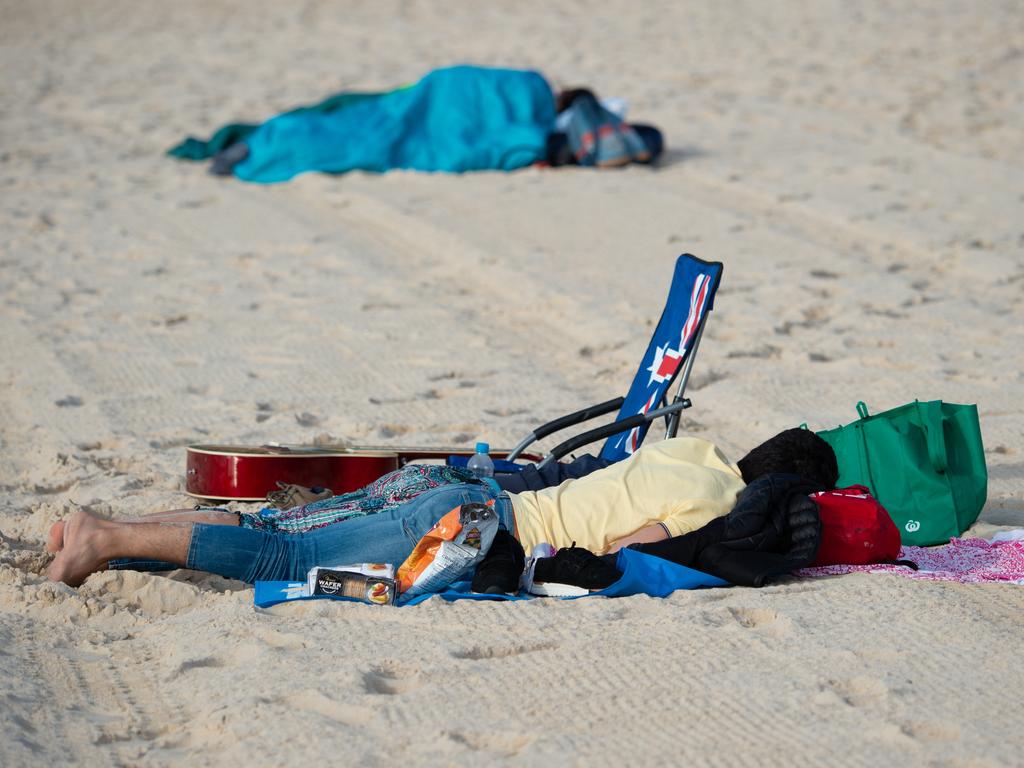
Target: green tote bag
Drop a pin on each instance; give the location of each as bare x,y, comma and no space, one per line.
923,461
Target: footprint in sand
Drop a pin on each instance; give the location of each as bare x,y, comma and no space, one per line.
371,306
763,352
503,744
137,484
504,412
478,652
204,662
391,677
860,691
763,620
307,419
393,430
600,349
164,443
285,641
815,317
705,379
311,700
925,730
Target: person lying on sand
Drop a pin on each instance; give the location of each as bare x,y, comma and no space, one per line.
663,490
304,510
454,119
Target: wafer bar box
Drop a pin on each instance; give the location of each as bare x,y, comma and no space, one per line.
375,590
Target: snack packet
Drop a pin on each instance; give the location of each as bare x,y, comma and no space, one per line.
368,589
379,570
456,543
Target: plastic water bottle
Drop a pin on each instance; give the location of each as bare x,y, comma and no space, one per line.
480,463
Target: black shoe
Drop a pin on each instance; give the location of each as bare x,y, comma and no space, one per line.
576,567
499,571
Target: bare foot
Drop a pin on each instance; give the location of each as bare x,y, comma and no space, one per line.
81,554
55,539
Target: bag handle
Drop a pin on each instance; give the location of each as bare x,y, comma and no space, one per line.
865,463
934,434
862,445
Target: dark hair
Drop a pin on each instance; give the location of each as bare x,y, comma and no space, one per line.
796,451
566,97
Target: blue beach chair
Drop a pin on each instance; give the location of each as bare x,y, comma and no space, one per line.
669,358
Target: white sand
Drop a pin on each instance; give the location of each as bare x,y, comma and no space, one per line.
857,167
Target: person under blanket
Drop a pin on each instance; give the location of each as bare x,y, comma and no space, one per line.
663,490
455,119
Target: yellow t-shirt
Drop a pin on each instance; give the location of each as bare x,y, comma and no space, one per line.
683,483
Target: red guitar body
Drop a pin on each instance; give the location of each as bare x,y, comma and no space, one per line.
234,472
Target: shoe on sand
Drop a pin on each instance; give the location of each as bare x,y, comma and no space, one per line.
570,573
501,569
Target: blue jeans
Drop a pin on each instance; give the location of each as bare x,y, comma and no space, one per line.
386,537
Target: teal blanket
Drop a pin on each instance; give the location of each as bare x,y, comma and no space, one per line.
457,119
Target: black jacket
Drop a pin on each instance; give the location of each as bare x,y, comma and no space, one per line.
773,529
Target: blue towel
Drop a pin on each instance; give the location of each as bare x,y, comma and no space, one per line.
457,119
641,574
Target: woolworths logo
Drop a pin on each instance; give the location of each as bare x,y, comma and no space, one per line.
912,526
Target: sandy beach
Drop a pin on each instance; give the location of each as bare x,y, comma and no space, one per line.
857,167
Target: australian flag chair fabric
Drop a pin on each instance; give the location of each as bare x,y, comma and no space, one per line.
691,297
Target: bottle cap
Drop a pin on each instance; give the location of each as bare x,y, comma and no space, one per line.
483,448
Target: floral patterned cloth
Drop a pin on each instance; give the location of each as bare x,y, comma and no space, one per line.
382,494
968,561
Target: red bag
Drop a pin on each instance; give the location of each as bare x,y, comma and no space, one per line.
855,528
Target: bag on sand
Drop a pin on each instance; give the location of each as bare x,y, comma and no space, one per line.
855,528
923,461
456,543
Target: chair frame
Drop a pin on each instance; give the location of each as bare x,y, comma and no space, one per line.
670,411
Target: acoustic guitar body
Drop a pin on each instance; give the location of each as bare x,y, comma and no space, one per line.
223,472
244,473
